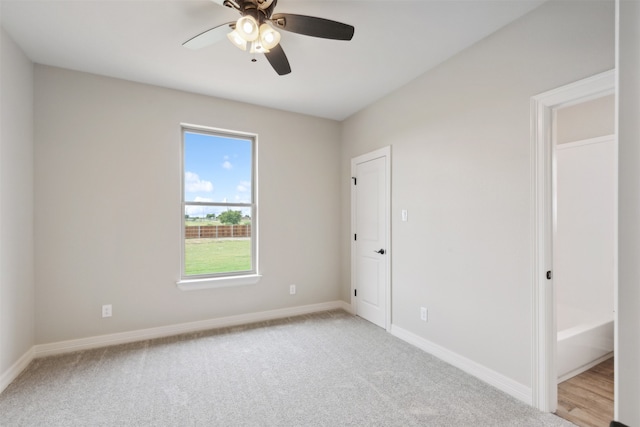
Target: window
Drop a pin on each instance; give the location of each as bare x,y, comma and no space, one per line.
219,208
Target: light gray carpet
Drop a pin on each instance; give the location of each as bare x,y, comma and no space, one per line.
326,369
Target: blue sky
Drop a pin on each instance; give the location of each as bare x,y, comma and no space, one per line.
217,169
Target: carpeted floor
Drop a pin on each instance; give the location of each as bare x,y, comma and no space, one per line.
326,369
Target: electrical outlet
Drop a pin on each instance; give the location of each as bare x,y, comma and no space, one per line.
107,310
292,290
423,314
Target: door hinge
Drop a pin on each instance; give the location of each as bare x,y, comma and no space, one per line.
549,275
355,292
355,180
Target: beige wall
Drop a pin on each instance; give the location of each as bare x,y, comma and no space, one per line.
107,158
628,380
586,120
16,205
461,167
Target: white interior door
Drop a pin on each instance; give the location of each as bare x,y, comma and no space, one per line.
370,244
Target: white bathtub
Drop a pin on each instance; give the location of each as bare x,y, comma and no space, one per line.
583,341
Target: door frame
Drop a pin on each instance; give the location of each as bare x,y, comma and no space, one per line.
381,152
543,370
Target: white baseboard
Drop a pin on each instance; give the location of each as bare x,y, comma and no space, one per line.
12,373
346,307
584,368
43,350
499,381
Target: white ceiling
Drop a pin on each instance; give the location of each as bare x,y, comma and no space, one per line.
395,41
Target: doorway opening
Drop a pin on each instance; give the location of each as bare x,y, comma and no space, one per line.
545,279
584,258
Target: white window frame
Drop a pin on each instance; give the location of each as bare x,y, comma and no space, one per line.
217,280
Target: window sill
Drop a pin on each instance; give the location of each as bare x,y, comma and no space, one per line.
218,282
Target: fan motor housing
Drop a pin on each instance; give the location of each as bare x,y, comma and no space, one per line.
259,9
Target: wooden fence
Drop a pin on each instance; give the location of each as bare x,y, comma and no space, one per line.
217,231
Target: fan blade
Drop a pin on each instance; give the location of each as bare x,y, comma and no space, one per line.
313,26
278,60
209,37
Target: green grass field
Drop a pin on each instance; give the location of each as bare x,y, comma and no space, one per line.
204,256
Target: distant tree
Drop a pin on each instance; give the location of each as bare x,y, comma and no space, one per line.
230,217
186,216
211,216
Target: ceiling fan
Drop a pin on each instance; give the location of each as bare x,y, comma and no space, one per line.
256,30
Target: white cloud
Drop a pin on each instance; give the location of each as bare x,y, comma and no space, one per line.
199,211
227,165
193,183
244,186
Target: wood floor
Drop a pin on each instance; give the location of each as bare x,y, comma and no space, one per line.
587,399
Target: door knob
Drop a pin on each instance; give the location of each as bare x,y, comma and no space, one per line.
381,252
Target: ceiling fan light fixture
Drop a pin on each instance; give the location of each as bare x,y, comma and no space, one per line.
258,47
237,40
257,30
268,36
247,27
